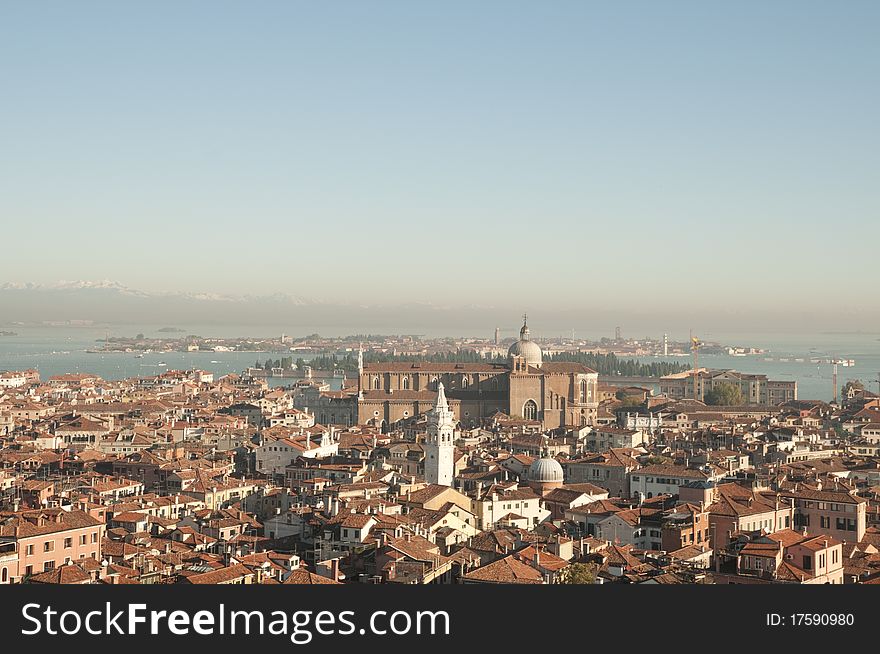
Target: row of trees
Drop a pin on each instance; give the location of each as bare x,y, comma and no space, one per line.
611,365
604,364
284,362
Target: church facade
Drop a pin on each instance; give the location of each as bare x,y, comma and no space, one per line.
554,393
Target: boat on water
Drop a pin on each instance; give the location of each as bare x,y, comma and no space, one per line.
161,363
139,356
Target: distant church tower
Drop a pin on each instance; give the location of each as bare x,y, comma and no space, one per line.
439,448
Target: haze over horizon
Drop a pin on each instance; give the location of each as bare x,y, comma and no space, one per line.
668,165
109,302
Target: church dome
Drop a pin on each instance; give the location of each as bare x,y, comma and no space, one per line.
546,470
527,348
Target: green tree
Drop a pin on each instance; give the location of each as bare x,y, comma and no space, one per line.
629,400
578,573
724,394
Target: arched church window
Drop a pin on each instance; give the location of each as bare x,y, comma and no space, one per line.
583,391
530,410
464,382
376,383
405,383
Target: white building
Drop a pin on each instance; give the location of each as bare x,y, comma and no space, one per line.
439,448
12,379
654,480
275,454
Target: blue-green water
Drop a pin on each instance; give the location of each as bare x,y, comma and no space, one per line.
58,350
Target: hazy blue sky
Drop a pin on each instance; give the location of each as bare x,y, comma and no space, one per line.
515,154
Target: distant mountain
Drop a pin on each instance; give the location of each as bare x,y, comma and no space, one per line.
110,301
107,301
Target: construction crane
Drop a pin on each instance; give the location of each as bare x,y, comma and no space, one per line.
834,379
695,346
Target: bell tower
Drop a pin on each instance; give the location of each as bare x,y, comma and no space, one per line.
439,450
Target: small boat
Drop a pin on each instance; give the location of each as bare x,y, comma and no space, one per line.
161,363
138,356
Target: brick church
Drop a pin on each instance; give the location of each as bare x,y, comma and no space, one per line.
556,393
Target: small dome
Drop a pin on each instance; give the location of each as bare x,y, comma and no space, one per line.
546,470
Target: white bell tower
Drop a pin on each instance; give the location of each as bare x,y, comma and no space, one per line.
439,450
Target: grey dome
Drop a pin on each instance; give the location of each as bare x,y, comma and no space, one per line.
527,348
546,470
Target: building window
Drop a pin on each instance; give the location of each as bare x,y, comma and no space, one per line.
404,383
68,543
376,383
530,410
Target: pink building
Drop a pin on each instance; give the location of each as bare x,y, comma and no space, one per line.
44,539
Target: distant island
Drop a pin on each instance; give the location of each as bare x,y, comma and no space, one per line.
5,333
855,333
172,330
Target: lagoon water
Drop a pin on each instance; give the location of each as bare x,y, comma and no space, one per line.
56,350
